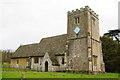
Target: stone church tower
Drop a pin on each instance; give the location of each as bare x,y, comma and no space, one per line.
84,53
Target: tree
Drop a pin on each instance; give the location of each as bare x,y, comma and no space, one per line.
111,50
113,33
6,55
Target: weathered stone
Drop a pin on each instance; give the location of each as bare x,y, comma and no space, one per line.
84,46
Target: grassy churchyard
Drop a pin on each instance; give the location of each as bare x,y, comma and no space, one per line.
35,74
27,73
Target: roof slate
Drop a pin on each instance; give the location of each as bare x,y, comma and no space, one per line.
52,45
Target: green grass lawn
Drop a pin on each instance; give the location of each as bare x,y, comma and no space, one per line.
17,73
35,74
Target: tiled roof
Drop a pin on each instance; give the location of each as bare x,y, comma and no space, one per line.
52,45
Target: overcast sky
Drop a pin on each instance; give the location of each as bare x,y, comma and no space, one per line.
28,21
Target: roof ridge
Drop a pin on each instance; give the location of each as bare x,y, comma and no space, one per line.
55,36
51,37
29,44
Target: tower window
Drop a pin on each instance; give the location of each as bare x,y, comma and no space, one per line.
95,60
77,20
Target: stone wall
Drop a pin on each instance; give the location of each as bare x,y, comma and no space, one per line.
13,62
77,55
22,62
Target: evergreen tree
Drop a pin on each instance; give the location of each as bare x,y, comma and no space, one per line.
111,54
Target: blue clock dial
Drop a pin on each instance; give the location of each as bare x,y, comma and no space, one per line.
77,30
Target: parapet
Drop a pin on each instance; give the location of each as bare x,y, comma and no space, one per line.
87,8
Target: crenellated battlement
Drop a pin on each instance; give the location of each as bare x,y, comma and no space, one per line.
87,8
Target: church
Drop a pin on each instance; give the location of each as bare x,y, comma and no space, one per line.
78,51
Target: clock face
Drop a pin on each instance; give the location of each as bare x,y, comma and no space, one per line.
77,30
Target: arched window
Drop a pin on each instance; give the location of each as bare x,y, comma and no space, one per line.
63,60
